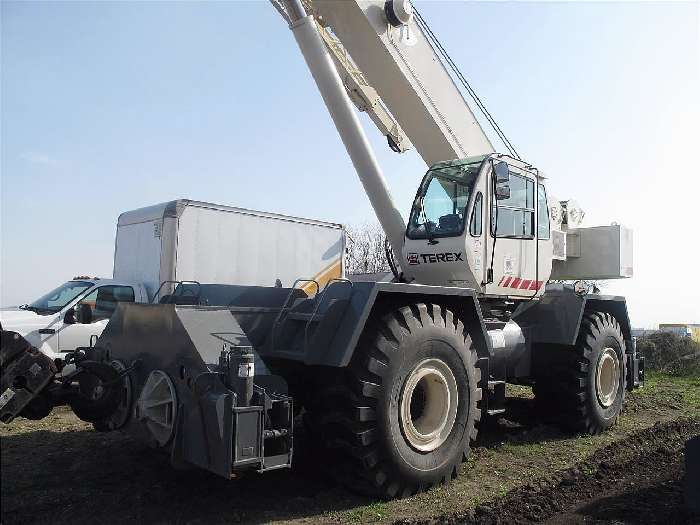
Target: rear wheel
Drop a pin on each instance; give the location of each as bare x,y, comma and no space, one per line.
585,387
401,417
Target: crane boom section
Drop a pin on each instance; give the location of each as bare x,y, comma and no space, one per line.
402,66
361,94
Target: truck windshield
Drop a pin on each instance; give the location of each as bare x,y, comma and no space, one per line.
440,207
57,299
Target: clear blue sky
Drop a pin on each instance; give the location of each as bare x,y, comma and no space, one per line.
107,107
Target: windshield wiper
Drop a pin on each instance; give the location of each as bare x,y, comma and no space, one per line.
36,309
28,307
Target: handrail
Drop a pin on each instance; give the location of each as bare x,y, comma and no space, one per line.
179,283
155,296
286,306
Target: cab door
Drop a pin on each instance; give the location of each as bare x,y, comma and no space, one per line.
511,251
102,302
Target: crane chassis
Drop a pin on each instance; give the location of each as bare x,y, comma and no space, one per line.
390,379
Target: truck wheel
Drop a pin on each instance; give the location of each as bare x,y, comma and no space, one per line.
404,413
587,387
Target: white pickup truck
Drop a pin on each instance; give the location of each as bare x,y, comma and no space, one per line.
67,317
181,240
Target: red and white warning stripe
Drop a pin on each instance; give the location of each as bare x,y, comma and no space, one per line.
520,284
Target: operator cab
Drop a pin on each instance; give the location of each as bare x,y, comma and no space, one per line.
482,223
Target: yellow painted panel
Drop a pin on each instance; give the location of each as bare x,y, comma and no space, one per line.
332,271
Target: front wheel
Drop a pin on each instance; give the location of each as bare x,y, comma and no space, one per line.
401,418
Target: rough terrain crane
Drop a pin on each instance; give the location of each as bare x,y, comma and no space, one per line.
391,378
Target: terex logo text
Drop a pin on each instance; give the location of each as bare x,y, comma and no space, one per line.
425,258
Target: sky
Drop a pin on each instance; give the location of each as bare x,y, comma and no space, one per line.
110,106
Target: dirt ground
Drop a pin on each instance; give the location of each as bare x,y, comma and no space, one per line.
522,470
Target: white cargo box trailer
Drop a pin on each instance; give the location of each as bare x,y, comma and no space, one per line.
186,240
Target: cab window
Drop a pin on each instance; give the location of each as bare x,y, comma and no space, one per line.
515,216
103,301
440,207
441,210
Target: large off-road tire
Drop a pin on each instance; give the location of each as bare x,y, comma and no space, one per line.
584,387
400,418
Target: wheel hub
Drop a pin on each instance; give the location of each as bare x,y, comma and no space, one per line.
121,414
428,406
607,377
157,406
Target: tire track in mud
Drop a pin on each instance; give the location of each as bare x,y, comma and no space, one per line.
634,480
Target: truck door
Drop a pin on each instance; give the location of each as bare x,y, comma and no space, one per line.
102,302
512,258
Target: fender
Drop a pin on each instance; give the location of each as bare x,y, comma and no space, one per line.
372,299
556,317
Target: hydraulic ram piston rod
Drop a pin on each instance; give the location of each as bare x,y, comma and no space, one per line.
347,123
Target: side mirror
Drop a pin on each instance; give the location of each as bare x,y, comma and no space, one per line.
501,172
83,313
501,175
502,192
69,318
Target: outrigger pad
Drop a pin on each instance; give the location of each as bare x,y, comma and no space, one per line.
25,372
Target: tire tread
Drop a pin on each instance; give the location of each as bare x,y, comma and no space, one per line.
345,422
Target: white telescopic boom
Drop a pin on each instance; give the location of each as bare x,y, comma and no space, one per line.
347,123
400,63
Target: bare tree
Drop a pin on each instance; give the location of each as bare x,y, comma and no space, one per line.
366,249
592,286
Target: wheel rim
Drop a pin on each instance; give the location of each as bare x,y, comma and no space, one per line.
607,377
428,405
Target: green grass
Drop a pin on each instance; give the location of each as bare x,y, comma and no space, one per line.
671,391
374,512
